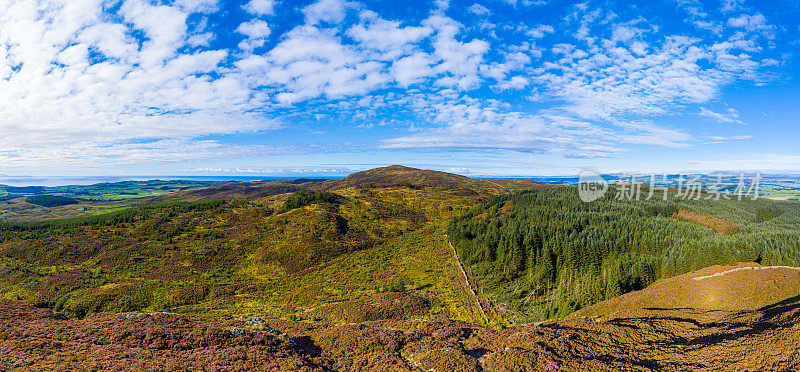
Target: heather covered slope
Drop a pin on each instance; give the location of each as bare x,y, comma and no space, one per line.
398,174
764,339
306,255
401,175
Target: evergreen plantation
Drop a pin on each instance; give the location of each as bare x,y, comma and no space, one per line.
546,253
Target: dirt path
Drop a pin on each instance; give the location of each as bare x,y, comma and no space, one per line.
466,279
744,268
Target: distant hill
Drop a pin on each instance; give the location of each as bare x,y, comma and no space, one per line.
236,190
394,175
398,174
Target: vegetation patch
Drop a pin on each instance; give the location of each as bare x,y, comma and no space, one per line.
717,224
50,200
392,305
309,197
765,214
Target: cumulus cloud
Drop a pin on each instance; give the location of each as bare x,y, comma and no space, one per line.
72,79
752,23
331,11
459,61
311,62
387,38
409,70
201,6
256,31
260,7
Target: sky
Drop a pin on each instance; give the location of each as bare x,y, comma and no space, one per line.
328,87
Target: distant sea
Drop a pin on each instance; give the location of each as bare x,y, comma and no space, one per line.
62,181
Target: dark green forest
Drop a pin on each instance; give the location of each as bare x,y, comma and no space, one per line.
50,200
546,253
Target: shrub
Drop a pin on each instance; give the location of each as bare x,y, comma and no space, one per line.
309,197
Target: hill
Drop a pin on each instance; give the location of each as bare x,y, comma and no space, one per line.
311,254
728,288
400,175
395,175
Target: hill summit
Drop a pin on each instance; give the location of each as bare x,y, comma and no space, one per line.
398,174
402,175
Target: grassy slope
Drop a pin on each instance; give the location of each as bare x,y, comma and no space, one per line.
751,287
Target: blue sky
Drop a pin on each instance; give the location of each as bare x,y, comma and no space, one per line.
481,87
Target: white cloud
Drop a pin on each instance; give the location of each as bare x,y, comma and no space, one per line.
310,63
459,61
640,79
200,6
534,2
164,26
647,133
515,83
410,70
729,116
540,31
734,138
387,38
753,23
201,39
61,104
731,5
479,9
331,11
256,31
260,7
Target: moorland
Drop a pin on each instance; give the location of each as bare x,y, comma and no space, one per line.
396,268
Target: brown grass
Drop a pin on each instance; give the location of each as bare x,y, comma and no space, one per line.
718,224
733,290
